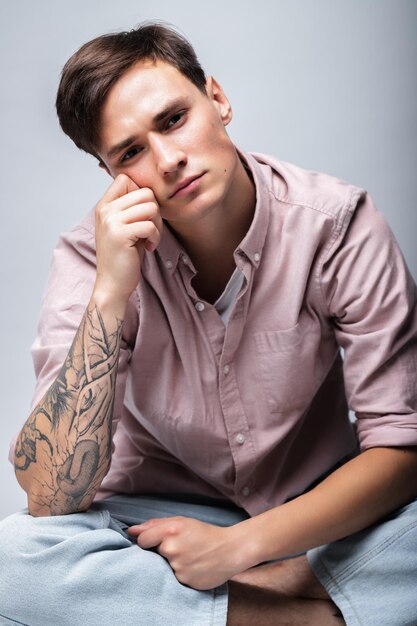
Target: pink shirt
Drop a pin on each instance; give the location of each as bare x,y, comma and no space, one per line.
257,410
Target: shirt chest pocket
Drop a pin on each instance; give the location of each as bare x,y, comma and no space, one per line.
287,363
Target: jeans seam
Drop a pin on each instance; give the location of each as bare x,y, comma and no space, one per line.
13,621
335,585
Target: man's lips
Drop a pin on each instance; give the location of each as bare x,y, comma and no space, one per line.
187,185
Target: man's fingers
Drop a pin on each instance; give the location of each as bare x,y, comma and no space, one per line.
121,185
136,529
154,531
137,196
150,539
152,536
144,231
142,212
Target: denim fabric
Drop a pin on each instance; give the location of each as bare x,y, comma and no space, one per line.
83,569
372,575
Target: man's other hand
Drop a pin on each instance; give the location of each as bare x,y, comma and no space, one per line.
202,556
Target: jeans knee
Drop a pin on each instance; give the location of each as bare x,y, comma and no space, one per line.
36,554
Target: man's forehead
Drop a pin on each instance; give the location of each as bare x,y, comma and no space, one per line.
150,76
149,87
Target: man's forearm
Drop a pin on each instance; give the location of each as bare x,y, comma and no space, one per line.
63,451
355,496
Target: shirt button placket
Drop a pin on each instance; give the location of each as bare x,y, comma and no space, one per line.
240,437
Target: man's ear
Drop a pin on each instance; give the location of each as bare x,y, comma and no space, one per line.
218,97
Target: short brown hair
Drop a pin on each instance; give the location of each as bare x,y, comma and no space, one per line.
89,74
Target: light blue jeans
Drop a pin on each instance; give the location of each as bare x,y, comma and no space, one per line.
83,569
372,575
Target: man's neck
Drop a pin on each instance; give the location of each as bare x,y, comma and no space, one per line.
211,242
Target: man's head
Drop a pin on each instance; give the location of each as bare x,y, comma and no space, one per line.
90,73
140,102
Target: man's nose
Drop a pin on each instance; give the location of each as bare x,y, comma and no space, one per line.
168,155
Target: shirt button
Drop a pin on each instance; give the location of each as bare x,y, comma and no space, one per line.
240,438
256,256
169,264
245,491
184,259
199,306
226,369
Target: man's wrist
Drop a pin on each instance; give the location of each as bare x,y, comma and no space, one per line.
248,542
108,303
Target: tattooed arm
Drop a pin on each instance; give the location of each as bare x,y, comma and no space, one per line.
63,452
64,449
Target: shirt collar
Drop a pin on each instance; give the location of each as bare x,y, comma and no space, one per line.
253,242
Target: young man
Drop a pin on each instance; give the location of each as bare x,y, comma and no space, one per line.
204,305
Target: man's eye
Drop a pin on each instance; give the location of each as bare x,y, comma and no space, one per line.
130,154
175,119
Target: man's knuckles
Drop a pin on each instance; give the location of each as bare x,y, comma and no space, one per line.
122,184
148,211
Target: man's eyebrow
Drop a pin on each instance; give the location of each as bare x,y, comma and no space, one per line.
157,119
170,108
121,146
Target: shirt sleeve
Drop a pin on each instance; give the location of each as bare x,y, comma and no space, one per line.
372,298
67,293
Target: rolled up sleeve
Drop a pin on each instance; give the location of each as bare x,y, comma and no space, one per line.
372,298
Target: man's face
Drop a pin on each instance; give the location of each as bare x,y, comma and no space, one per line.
165,134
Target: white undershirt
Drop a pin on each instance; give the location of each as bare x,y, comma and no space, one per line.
225,303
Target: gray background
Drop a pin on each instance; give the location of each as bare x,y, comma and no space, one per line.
328,84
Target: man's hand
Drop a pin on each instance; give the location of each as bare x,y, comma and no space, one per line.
128,221
202,556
